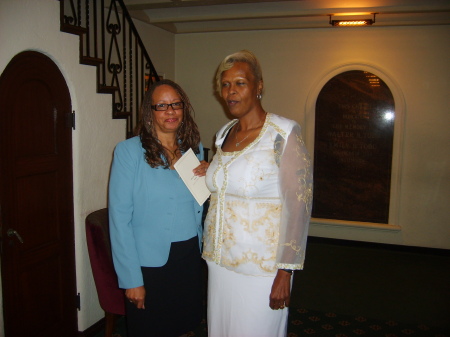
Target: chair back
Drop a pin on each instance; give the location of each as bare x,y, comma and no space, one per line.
111,297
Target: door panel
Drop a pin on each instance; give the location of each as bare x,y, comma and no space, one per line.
36,197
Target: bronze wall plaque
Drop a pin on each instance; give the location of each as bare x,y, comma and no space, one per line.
354,130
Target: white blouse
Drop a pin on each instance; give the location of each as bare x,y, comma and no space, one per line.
261,200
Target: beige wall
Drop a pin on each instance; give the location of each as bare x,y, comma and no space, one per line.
34,25
160,46
413,61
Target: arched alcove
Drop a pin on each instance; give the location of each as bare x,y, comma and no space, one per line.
353,146
354,118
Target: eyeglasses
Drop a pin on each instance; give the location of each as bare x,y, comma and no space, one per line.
164,106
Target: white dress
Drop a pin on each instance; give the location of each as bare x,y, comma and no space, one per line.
257,223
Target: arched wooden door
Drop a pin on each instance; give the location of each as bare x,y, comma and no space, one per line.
36,200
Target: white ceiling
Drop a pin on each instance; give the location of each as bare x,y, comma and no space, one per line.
193,16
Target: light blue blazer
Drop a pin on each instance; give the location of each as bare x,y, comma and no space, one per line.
141,205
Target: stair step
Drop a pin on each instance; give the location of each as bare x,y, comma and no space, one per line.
106,89
71,29
122,114
91,61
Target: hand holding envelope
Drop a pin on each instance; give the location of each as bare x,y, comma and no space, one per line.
196,185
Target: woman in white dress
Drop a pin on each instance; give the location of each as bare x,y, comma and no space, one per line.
257,224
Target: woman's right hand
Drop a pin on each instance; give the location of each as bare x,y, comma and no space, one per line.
201,169
136,296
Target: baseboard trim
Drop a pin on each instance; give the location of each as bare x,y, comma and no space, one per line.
319,222
93,329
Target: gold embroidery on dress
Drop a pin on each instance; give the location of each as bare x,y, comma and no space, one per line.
278,129
229,221
219,228
252,198
293,245
232,123
251,257
305,193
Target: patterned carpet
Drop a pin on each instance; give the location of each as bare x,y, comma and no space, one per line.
303,322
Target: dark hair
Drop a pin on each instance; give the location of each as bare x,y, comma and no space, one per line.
188,135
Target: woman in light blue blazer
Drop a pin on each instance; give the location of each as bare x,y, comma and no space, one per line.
155,222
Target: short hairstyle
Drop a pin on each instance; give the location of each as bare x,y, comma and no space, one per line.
240,56
188,135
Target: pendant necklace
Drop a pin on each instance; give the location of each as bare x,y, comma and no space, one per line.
235,133
235,137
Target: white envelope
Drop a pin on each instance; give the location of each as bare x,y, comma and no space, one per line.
195,184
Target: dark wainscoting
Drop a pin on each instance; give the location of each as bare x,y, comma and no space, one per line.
380,281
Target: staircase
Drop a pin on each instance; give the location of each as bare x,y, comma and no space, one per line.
109,40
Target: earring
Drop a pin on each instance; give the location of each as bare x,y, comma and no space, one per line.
259,96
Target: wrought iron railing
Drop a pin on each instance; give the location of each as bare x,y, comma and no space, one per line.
110,41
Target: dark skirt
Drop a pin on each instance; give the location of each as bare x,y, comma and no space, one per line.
173,301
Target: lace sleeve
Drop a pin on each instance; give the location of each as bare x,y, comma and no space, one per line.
296,188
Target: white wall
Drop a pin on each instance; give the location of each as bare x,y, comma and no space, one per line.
34,25
413,61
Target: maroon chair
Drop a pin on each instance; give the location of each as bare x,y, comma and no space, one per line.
111,297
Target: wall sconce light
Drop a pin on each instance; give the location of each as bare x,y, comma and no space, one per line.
353,23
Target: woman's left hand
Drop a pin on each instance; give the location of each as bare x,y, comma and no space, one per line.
280,295
201,169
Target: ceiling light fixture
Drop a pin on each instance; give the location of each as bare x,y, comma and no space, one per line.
352,23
